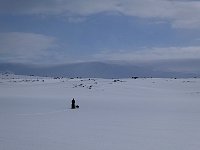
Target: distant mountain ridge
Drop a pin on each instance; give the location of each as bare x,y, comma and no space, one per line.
94,70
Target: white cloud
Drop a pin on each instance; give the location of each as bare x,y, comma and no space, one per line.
181,13
26,47
146,54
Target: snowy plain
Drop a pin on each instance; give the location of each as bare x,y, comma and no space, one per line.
124,114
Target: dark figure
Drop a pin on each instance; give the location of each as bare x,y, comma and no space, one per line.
73,104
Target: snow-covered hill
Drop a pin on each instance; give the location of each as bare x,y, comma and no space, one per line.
162,69
124,114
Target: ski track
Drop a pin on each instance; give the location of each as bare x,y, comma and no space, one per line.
44,113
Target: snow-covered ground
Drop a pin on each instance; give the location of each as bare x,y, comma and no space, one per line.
125,114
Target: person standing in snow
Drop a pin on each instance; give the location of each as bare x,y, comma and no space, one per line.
73,104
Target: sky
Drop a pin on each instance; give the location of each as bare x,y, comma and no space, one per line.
67,31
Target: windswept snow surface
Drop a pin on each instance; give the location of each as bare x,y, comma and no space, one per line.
128,114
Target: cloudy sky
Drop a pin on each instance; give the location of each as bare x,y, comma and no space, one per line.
65,31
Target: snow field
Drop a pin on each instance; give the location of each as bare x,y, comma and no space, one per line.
140,114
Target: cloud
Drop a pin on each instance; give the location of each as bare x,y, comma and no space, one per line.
148,54
181,13
26,47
